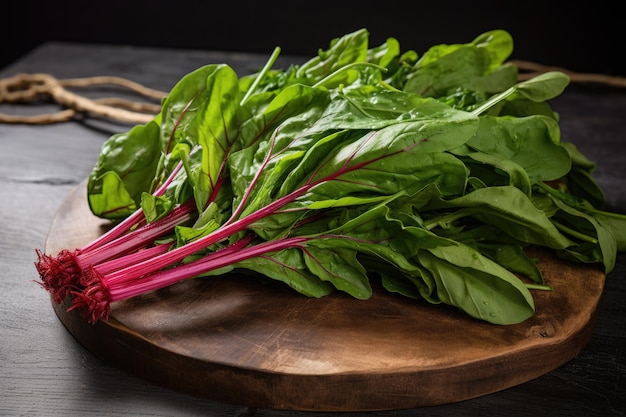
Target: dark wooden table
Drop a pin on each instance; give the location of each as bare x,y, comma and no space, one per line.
45,372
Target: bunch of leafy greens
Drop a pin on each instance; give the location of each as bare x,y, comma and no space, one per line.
431,173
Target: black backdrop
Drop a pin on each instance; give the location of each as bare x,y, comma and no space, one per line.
585,38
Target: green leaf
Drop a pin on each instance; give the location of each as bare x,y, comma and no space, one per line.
155,208
601,248
530,142
108,197
428,172
340,267
126,166
180,106
213,127
498,44
517,176
444,68
441,268
292,102
372,107
208,221
345,50
288,266
540,88
514,259
544,86
580,181
511,211
616,223
480,288
385,54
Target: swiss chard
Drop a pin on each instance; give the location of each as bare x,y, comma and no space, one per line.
431,173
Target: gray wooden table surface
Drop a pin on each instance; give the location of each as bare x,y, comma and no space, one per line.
45,372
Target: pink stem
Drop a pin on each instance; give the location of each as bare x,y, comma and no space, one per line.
131,220
167,277
95,299
176,255
138,237
139,256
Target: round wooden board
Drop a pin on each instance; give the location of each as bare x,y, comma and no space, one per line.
237,340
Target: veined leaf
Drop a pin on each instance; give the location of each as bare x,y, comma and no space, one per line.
530,142
340,267
125,169
511,211
288,266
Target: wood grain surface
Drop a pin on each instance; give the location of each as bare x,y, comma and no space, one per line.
239,340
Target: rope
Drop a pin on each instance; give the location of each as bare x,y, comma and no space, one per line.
534,69
31,88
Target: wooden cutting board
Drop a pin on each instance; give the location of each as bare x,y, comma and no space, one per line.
237,340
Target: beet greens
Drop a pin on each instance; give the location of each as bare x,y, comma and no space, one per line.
431,174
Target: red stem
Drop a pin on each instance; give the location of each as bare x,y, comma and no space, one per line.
131,220
138,237
219,259
176,255
139,256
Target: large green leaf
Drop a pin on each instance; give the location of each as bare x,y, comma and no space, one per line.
449,271
530,142
509,209
444,68
126,167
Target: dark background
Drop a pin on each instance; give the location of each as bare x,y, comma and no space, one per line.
584,38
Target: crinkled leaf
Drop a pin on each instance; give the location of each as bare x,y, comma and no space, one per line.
125,169
443,68
345,50
214,127
530,142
